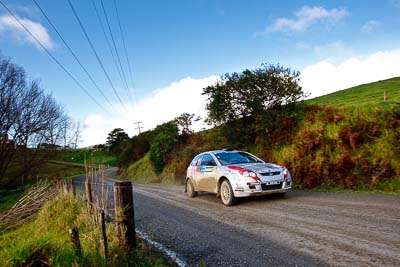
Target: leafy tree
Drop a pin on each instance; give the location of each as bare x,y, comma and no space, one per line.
252,92
115,140
165,138
184,122
135,149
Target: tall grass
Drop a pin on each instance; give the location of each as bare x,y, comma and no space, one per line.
45,241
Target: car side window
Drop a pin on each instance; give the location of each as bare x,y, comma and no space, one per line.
196,161
207,160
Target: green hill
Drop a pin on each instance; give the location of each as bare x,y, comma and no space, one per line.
370,94
345,140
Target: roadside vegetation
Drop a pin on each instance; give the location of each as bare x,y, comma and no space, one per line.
49,172
347,140
35,133
98,156
46,242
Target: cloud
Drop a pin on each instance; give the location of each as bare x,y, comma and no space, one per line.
305,17
184,96
370,26
9,27
324,77
337,46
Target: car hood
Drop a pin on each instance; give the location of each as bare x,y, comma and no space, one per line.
260,167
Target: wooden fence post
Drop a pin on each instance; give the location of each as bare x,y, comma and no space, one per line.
104,234
124,214
75,240
71,187
89,196
65,187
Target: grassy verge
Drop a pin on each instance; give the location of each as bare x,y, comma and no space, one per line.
54,171
8,197
49,171
92,157
45,241
142,172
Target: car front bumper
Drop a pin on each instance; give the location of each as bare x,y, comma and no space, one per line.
260,189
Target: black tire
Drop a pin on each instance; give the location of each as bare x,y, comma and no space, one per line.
190,189
227,197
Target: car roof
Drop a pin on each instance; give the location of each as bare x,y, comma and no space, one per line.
225,150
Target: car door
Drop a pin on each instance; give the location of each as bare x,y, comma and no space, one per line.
207,178
194,172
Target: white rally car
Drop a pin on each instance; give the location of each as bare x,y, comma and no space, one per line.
232,174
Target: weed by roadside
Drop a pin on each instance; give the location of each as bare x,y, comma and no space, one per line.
45,241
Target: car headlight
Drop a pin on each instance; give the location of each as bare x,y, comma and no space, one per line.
286,174
244,172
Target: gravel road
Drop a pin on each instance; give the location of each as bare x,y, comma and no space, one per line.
302,229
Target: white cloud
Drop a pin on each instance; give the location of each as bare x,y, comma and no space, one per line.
164,105
9,27
324,77
370,26
305,17
337,46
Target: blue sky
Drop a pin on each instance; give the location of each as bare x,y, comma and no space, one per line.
177,47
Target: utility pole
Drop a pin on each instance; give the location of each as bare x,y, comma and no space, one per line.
138,125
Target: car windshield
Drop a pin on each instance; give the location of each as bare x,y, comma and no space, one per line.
227,158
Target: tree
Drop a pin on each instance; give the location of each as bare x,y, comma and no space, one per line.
135,149
76,133
31,124
12,88
251,93
184,123
166,137
115,140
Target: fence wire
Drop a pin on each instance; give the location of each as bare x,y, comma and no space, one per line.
102,191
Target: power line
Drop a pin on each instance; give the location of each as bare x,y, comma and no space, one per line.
52,57
94,51
115,46
108,42
126,53
72,52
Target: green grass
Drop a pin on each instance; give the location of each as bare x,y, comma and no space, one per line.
54,171
8,197
91,157
142,171
370,94
49,171
45,241
349,141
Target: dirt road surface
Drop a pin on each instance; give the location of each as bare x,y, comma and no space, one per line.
301,229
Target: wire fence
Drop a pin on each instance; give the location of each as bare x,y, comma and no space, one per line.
101,191
106,200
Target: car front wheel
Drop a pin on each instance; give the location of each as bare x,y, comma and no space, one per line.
190,189
227,196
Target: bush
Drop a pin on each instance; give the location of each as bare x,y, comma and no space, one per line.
166,137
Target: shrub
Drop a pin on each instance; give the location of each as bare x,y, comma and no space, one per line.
165,139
